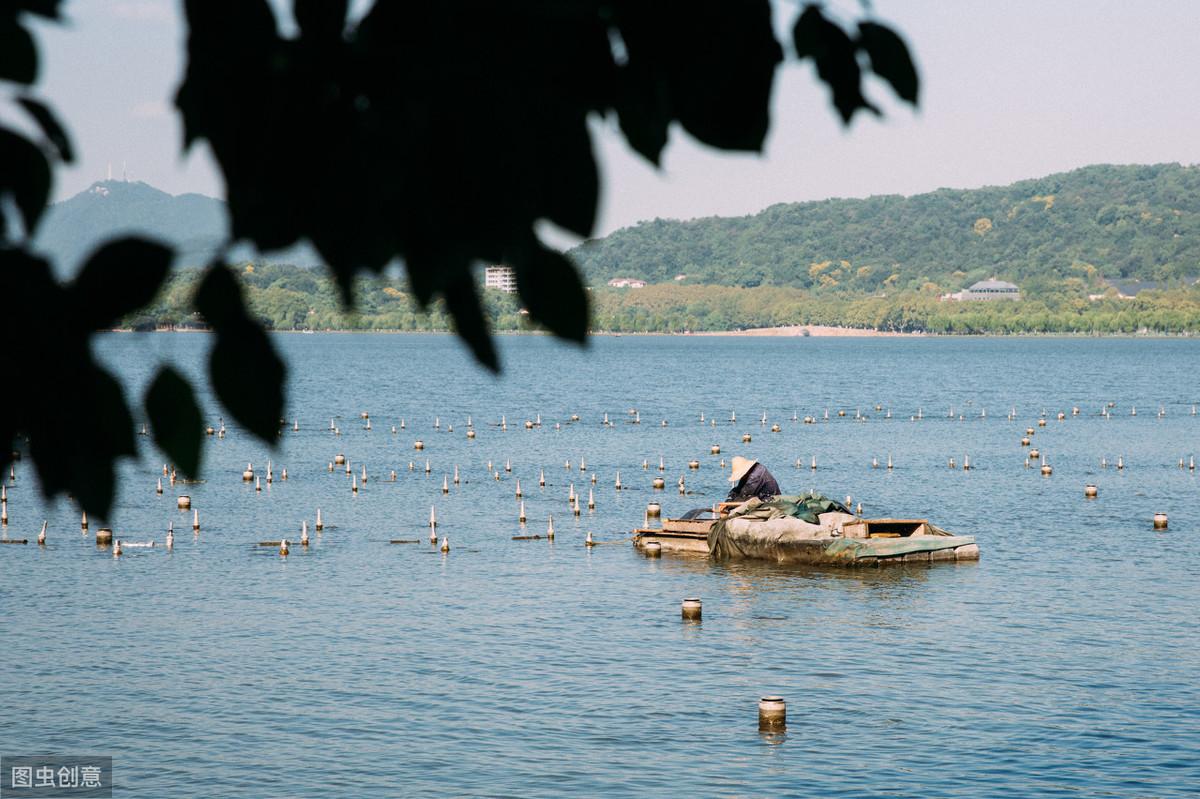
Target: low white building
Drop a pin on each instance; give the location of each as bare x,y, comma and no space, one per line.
990,289
627,283
501,278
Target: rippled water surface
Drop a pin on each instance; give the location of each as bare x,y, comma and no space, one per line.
1064,663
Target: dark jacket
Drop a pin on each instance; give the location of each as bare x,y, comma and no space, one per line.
757,482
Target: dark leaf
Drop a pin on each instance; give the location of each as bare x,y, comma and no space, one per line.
247,374
570,182
552,291
18,53
119,278
463,304
643,109
176,419
219,298
890,59
50,126
114,434
836,58
25,173
321,19
43,8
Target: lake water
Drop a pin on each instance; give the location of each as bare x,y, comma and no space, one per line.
1064,663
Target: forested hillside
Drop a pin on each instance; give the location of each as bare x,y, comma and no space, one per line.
1097,222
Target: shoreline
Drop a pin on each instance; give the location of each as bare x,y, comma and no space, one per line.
787,331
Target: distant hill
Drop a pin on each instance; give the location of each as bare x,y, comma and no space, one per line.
1116,222
193,223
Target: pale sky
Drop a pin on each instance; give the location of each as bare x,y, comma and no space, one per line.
1010,90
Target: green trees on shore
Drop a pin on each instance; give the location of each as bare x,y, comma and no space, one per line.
285,297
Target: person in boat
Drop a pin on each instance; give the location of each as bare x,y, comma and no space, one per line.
751,479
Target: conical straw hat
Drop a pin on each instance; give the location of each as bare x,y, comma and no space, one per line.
740,466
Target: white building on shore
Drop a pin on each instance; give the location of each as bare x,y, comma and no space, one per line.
501,278
990,289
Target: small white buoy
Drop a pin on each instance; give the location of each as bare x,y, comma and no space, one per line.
42,535
432,516
170,536
591,500
117,548
542,478
258,484
654,510
320,525
158,490
588,541
659,483
772,714
457,480
445,485
1090,491
521,513
1160,521
283,548
445,544
550,528
617,483
183,502
196,520
691,609
746,438
428,469
519,492
653,549
889,463
283,474
83,523
418,444
354,485
248,474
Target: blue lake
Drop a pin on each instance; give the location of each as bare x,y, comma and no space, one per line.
1063,663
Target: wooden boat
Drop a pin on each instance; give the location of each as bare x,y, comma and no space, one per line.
856,542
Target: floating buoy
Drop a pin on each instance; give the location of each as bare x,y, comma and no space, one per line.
874,463
196,520
521,513
591,500
775,428
508,466
445,485
654,510
966,463
746,438
432,516
693,464
304,533
659,483
320,525
714,450
170,536
575,507
42,535
1046,469
117,548
433,539
1034,454
519,493
104,537
418,444
1120,462
283,474
158,490
542,478
691,608
772,714
1025,442
617,483
662,466
588,541
445,544
283,548
428,469
248,474
83,522
258,484
183,502
1090,491
1160,521
653,549
889,462
354,485
550,528
470,434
